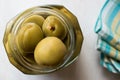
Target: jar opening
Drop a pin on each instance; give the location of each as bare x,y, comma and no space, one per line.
25,61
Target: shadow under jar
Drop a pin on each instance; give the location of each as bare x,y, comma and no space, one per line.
26,63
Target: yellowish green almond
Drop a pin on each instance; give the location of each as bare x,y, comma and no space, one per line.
34,19
53,26
28,36
50,51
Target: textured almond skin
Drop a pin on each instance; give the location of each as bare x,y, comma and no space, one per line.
50,51
37,19
53,26
29,36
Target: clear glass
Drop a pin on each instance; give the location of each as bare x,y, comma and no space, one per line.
26,64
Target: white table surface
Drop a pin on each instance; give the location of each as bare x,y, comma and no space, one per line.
86,67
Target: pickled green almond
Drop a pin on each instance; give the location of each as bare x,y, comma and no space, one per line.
34,19
28,36
50,51
53,26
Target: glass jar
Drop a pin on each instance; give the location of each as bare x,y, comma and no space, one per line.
26,64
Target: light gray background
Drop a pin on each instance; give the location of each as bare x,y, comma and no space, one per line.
86,67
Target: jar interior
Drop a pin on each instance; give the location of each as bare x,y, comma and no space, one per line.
28,60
